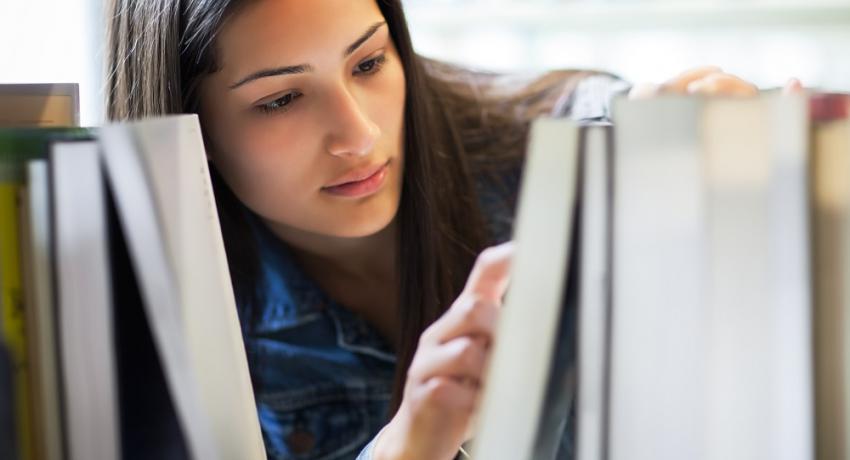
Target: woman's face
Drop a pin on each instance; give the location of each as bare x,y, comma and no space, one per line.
305,115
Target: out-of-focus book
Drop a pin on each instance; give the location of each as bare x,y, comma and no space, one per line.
27,332
711,297
39,104
530,381
27,329
830,174
121,307
705,243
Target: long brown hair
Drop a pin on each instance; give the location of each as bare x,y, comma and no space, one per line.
455,128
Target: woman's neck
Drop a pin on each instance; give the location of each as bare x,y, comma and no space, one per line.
369,257
360,274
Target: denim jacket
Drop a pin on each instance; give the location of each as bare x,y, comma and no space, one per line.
323,375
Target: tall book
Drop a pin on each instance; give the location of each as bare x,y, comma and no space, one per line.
8,431
711,351
40,309
11,291
530,359
594,291
158,173
84,306
830,211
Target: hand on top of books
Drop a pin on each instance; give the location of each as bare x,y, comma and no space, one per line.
707,81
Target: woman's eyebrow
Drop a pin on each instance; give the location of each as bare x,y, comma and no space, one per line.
366,35
303,68
289,70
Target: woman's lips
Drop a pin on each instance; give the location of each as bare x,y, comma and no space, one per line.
369,182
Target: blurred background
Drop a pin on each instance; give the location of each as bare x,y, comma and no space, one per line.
764,41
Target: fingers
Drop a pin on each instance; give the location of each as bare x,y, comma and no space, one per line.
475,310
446,395
469,315
722,84
443,385
704,81
489,277
462,359
679,84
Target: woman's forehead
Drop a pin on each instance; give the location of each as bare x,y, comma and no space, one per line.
292,32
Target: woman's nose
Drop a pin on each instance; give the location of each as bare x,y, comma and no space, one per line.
353,133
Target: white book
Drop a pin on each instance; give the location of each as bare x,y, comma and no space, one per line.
84,303
37,271
594,295
657,274
710,338
521,363
158,172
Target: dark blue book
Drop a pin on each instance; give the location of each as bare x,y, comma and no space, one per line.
8,434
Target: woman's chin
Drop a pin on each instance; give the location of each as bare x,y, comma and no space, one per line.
363,219
360,228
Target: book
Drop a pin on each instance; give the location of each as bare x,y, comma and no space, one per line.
527,342
84,302
40,314
830,214
594,290
39,105
710,339
120,248
8,426
35,105
157,171
150,425
12,298
708,257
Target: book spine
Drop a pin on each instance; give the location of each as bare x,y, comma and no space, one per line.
830,217
12,320
8,437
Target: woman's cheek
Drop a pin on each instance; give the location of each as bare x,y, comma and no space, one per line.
256,169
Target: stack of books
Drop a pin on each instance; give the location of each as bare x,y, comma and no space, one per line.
120,331
699,250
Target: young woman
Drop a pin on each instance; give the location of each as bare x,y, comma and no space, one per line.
358,185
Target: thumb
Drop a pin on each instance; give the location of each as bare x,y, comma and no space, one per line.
491,273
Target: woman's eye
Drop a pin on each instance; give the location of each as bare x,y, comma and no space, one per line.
281,103
370,66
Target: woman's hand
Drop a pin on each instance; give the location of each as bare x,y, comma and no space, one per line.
709,81
443,386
